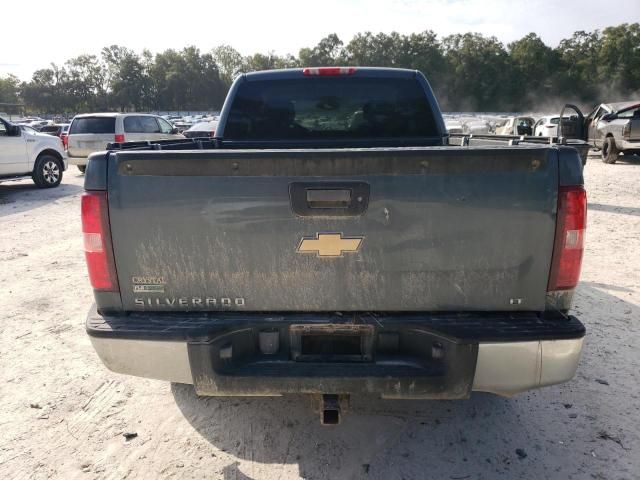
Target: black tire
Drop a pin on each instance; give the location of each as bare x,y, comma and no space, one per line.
82,168
47,172
609,150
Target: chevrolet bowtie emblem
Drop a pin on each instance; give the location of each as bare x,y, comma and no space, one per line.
329,244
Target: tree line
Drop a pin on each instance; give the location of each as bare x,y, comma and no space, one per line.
469,72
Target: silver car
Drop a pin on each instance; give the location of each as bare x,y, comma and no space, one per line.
92,132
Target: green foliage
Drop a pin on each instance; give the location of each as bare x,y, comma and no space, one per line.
479,73
619,56
9,89
327,52
467,71
230,62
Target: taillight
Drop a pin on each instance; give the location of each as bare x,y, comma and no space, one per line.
569,242
65,141
97,241
119,138
626,130
328,71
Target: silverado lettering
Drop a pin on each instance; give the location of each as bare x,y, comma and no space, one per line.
200,302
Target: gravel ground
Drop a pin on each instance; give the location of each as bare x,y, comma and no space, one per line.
65,416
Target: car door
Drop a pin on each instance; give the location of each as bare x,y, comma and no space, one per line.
167,130
595,135
634,128
538,127
13,151
137,128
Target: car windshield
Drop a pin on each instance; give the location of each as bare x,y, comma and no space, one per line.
330,108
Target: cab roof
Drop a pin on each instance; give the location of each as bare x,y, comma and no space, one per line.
296,73
620,106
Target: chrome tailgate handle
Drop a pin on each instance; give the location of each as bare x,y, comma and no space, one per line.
333,199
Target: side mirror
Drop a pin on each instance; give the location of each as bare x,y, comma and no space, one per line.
174,131
14,131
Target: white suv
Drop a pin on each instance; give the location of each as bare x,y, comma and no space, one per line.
27,153
92,132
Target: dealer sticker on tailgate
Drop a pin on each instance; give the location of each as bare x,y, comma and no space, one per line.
148,284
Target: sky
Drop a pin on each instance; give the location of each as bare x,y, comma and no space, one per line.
37,33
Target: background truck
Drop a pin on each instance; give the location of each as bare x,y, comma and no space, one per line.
331,240
27,153
614,128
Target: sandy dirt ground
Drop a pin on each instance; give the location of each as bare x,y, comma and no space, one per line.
63,415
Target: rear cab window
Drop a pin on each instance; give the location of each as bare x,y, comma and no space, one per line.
330,108
96,125
631,113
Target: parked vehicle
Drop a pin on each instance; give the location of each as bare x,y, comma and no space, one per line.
64,135
516,126
26,128
475,126
38,124
182,125
202,129
331,240
614,128
453,126
56,129
27,153
92,132
547,126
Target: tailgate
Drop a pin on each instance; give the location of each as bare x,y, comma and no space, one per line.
84,144
413,229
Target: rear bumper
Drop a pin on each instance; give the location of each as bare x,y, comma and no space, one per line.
421,357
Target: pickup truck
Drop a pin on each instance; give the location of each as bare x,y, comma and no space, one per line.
331,240
25,153
614,128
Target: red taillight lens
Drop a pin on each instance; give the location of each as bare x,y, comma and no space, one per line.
119,138
328,71
97,241
569,241
65,141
